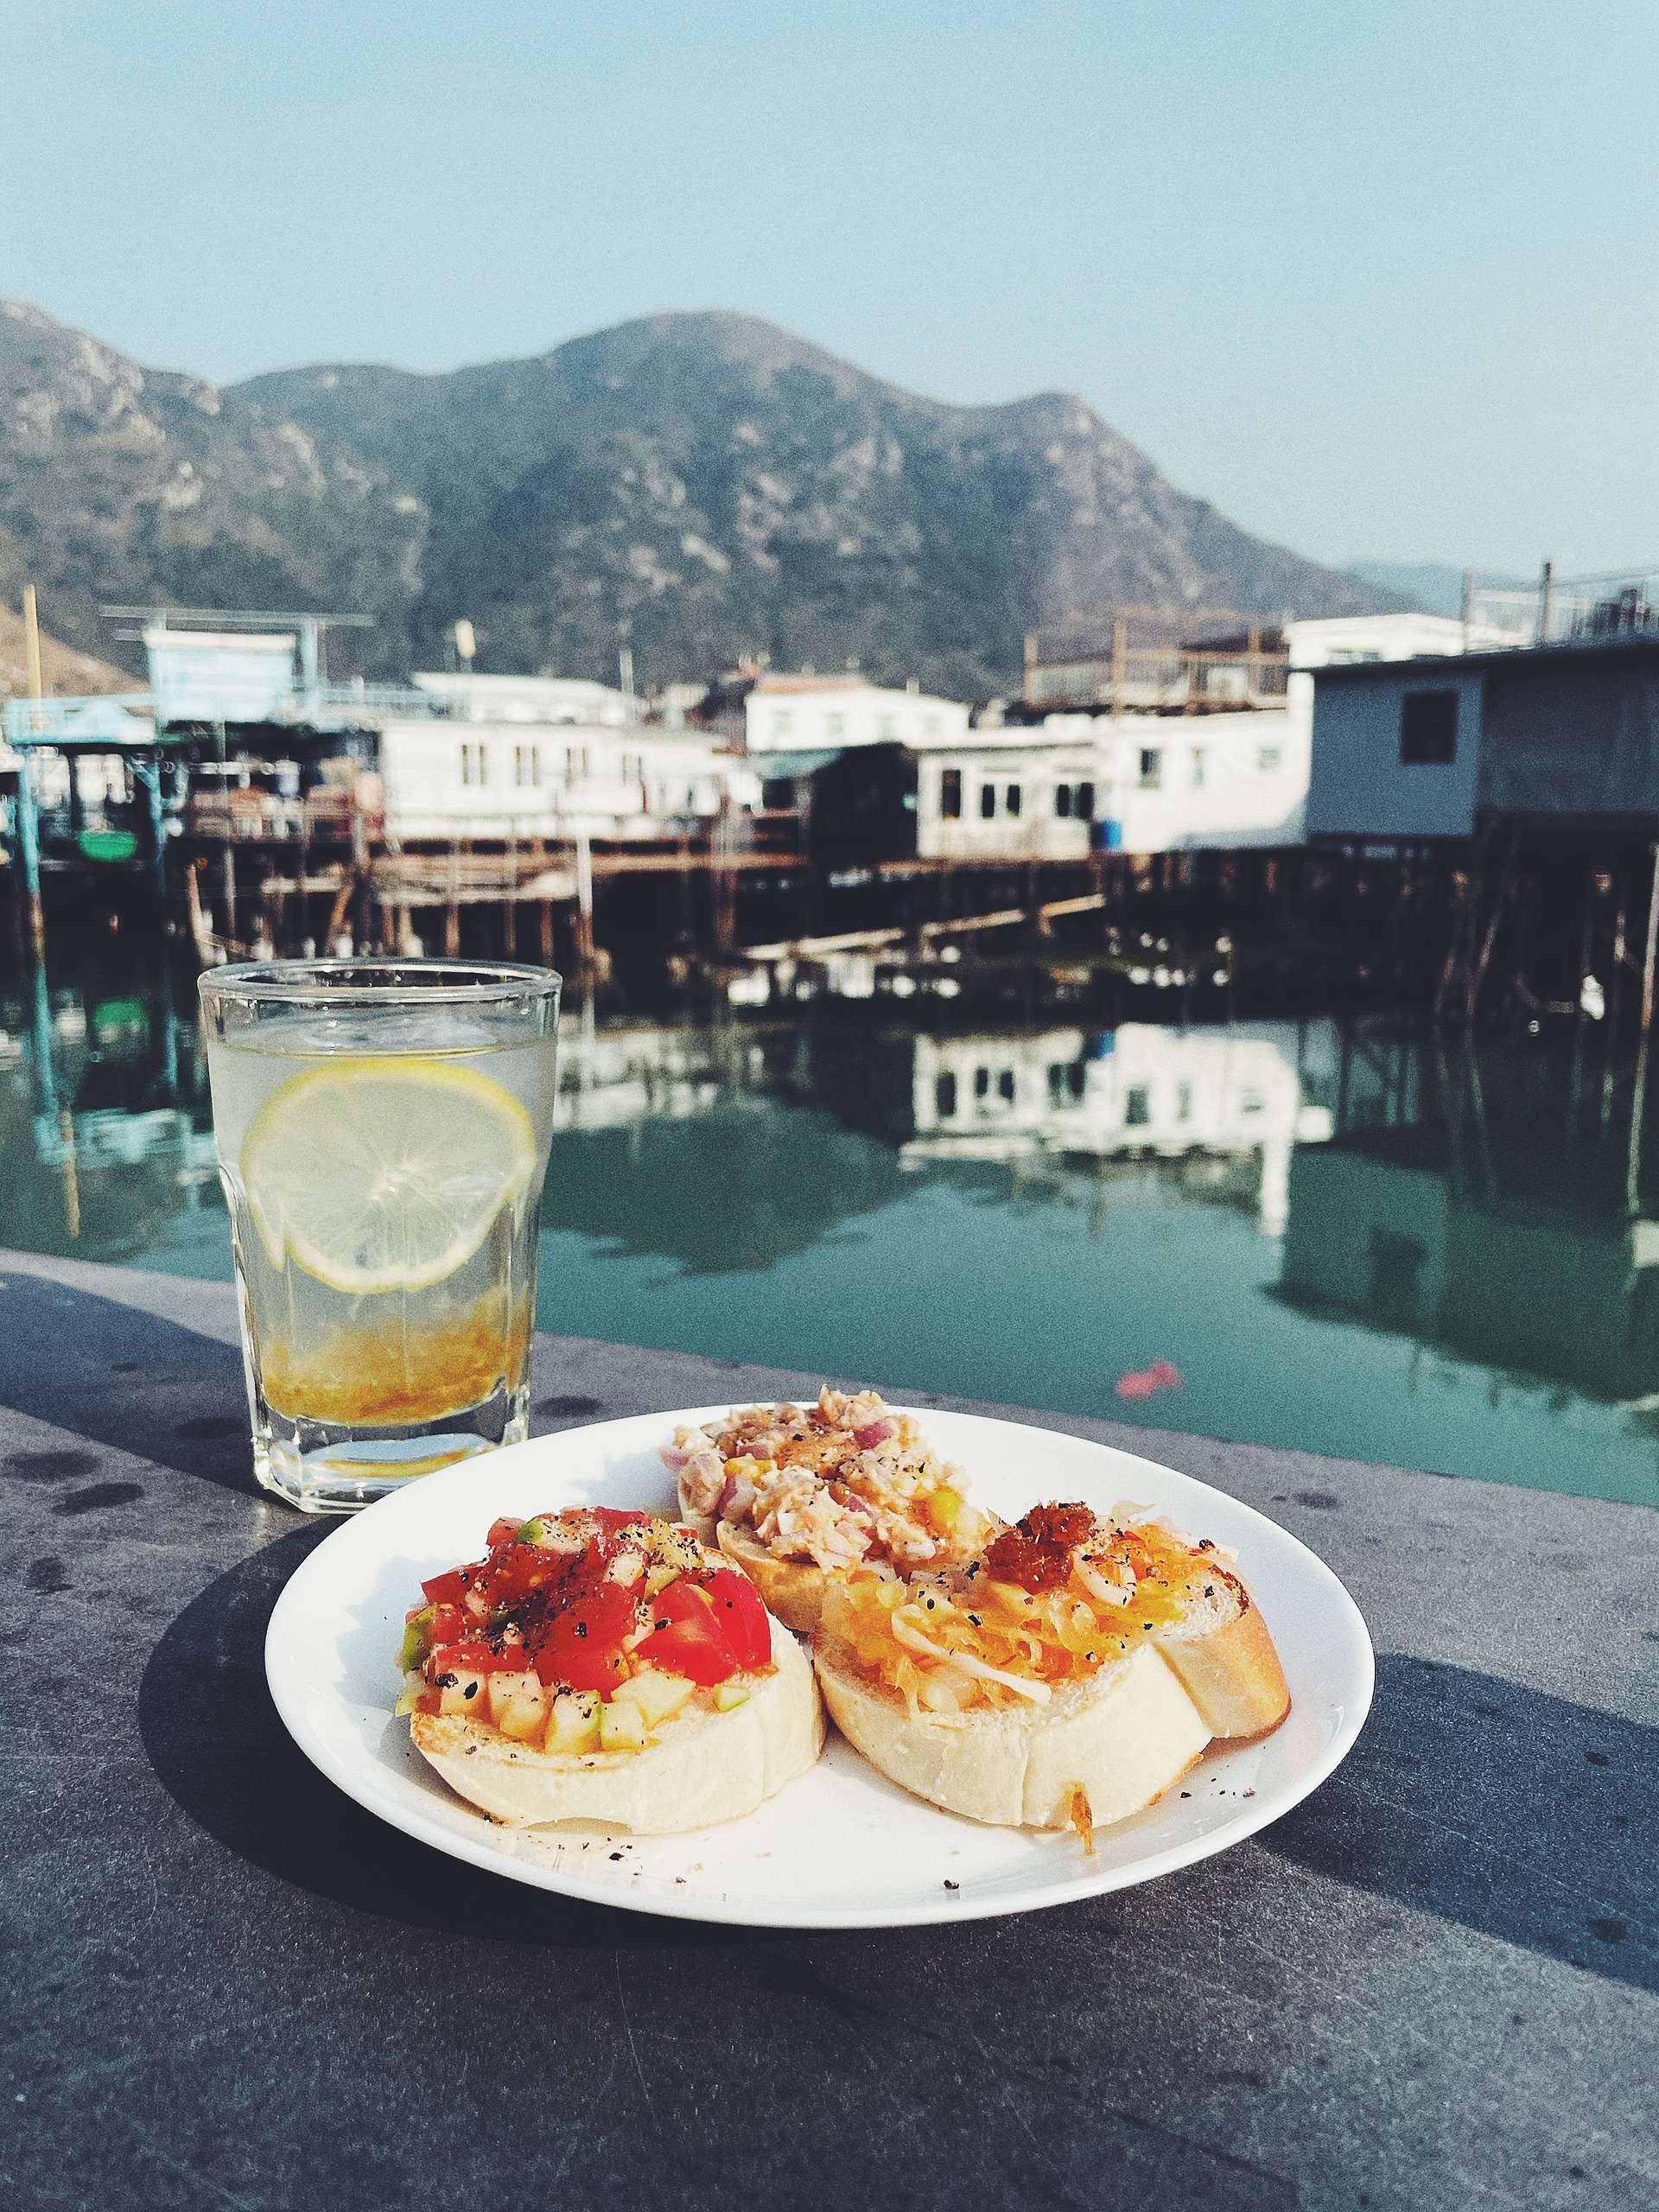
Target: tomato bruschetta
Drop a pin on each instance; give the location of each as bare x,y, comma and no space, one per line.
797,1495
1068,1675
604,1666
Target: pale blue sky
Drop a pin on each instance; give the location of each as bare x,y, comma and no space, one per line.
1378,279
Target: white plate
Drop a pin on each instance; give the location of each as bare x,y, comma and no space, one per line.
842,1847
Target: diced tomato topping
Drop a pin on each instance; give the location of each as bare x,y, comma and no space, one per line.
477,1658
582,1646
449,1625
731,1600
693,1646
740,1612
519,1570
612,1521
552,1610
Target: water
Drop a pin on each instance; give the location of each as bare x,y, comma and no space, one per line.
383,1171
1326,1236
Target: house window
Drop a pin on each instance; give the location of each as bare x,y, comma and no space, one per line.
982,1083
1013,798
1184,1102
950,794
1199,766
1005,1086
1137,1107
778,795
465,764
945,1098
1083,806
988,802
521,764
1267,758
1428,728
1151,769
575,761
1063,800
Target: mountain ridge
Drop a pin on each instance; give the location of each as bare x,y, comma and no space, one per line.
693,485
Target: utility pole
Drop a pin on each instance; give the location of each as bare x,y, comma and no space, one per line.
28,831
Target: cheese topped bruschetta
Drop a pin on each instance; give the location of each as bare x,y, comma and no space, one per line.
1069,1674
604,1666
798,1494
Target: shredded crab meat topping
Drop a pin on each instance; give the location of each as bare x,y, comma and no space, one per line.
841,1482
965,1637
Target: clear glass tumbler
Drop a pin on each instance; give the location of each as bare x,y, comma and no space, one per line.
382,1130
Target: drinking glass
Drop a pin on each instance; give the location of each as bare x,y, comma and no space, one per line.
383,1131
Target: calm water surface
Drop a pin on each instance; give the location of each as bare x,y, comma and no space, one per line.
1326,1236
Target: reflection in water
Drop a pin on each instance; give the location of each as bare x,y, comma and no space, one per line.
1495,1219
106,1137
1342,1240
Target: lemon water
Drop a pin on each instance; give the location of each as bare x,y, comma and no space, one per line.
384,1199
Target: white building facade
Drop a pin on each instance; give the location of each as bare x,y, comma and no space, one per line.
488,779
786,714
1021,795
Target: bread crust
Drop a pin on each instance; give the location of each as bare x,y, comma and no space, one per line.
1123,1738
1230,1669
705,1767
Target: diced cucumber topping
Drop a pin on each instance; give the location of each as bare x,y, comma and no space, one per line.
729,1696
418,1640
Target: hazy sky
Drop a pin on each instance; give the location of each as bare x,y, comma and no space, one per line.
1376,279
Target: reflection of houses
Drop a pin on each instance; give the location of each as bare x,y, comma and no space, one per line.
1136,1092
1419,1218
636,1072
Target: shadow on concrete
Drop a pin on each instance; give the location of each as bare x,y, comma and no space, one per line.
117,1376
215,1743
1517,1815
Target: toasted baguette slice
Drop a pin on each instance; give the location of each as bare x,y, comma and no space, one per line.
703,1767
791,1589
1121,1738
1226,1660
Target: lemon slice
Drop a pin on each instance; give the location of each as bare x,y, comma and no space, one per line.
384,1174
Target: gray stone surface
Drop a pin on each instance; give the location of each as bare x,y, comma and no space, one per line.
1436,1983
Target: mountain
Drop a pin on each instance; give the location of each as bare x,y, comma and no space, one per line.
1433,587
695,487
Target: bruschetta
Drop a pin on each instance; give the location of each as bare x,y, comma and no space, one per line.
603,1666
796,1495
1069,1675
